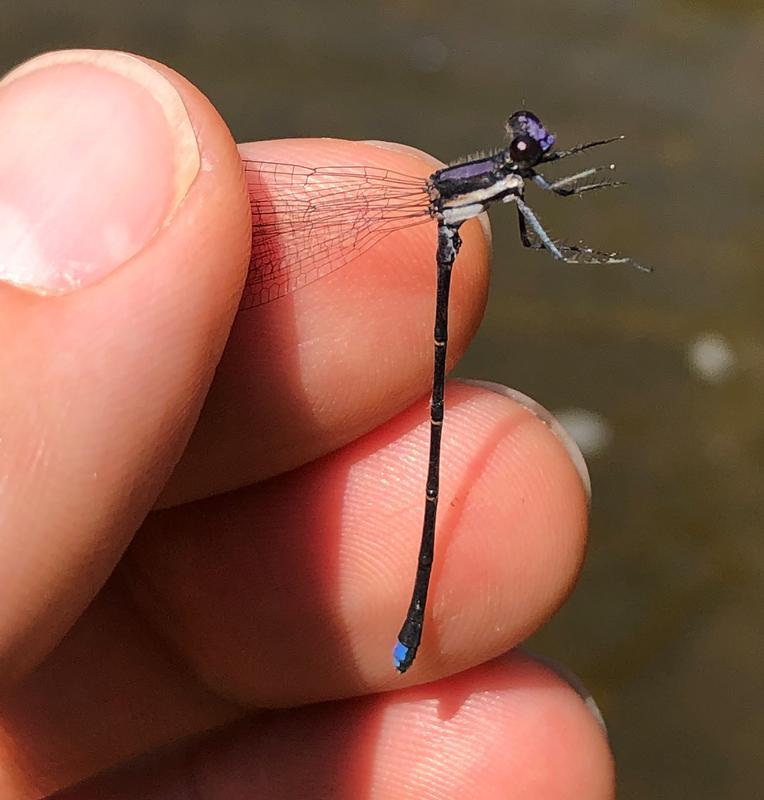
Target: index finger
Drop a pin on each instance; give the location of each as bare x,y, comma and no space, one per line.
317,368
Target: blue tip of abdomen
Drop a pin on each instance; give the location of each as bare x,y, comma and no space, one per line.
403,656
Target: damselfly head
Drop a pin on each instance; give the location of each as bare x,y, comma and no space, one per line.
529,140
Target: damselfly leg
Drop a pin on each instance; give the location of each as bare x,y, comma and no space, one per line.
563,187
557,155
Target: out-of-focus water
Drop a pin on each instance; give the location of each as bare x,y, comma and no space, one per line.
661,376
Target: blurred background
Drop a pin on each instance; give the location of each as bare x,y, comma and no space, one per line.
660,377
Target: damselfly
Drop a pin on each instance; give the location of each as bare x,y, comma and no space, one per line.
310,221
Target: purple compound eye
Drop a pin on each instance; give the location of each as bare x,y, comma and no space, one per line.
523,126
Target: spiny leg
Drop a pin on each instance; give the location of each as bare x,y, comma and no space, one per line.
523,228
562,185
569,253
526,215
524,235
410,634
579,148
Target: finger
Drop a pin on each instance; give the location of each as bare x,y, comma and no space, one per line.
122,196
301,584
509,729
313,370
295,594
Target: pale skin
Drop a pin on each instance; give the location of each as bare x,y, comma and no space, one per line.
125,629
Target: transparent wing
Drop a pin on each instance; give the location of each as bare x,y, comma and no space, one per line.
310,221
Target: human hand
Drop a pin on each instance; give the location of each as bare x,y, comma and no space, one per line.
124,634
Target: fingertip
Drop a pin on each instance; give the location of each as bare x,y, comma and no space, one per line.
575,683
89,189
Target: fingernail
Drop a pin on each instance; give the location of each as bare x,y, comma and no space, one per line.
407,150
557,429
572,680
96,153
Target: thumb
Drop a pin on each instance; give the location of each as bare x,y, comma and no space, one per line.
124,239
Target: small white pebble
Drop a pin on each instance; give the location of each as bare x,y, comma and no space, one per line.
711,358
